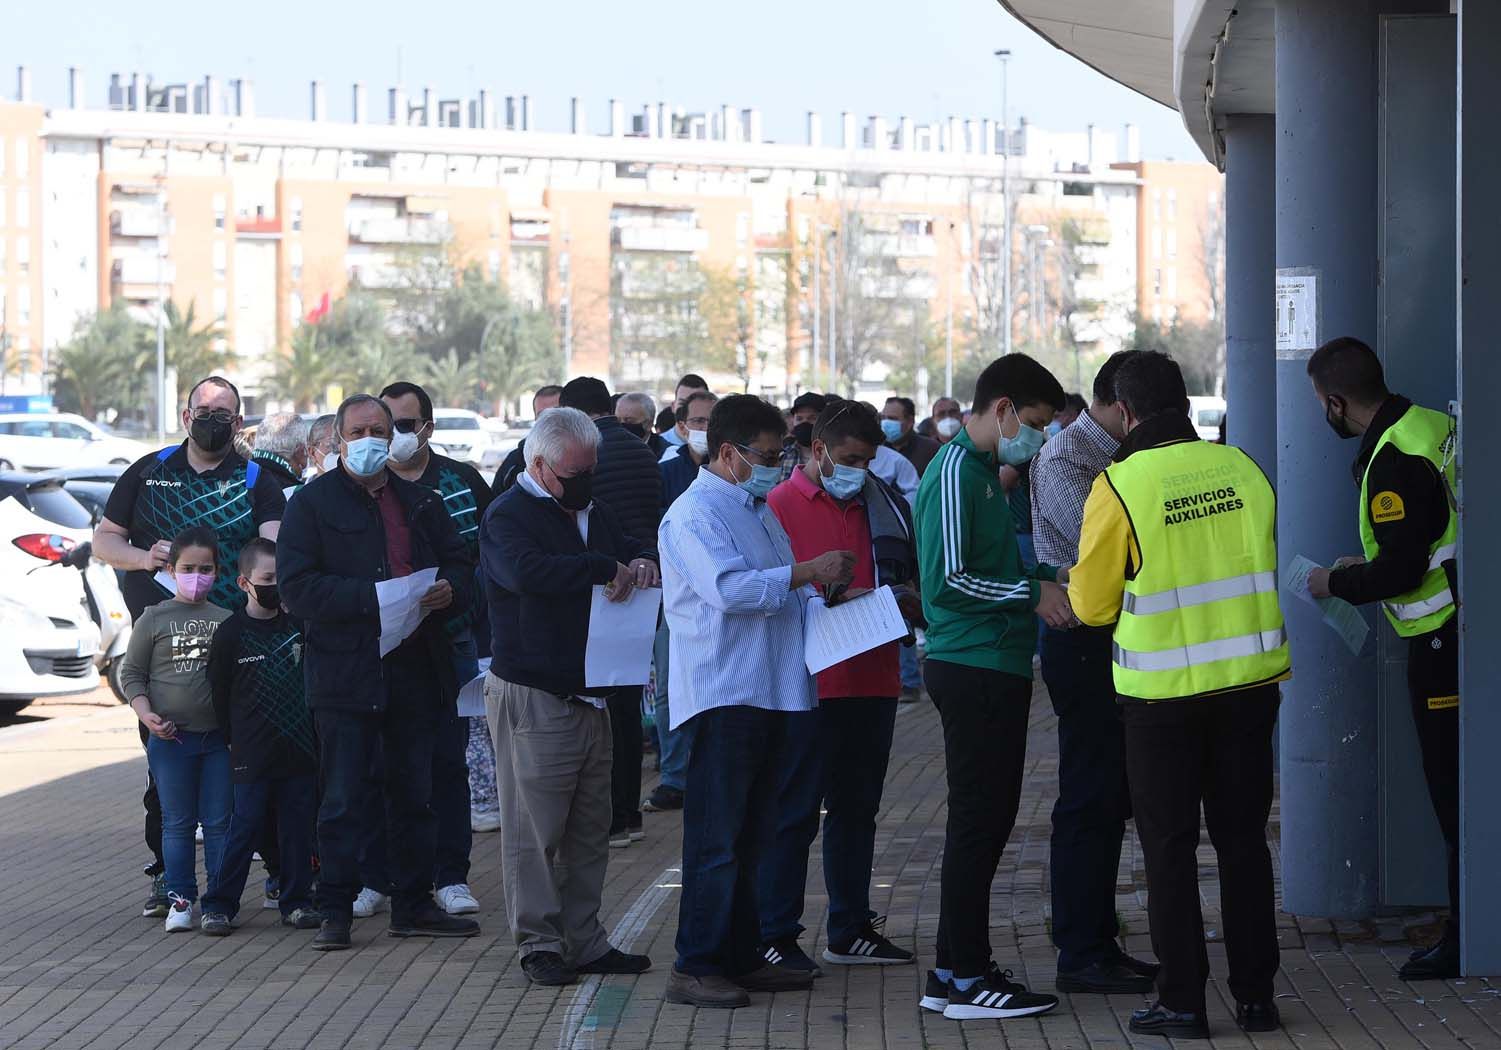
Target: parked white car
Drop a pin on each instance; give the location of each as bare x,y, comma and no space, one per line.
45,440
1206,413
49,643
460,434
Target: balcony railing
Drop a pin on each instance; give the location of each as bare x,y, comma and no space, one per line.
134,222
660,239
398,231
141,270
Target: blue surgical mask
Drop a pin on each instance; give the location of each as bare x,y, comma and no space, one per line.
670,435
892,428
1054,429
845,482
366,456
1017,450
762,479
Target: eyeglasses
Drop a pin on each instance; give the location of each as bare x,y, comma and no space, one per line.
218,415
697,422
409,426
755,455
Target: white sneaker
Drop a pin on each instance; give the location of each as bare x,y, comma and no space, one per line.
179,915
198,835
457,900
369,902
482,820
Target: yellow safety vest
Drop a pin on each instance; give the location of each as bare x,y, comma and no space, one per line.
1200,613
1428,606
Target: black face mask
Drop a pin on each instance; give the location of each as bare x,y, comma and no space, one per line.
1339,424
267,594
637,429
578,491
210,434
803,435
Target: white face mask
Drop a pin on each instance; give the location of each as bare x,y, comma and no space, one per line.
404,447
330,462
698,441
948,426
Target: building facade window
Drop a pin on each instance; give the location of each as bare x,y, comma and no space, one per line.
220,208
221,260
23,208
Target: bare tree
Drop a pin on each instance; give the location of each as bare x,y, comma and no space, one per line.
872,293
1212,258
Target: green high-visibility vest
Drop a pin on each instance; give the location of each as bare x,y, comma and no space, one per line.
1428,606
1200,613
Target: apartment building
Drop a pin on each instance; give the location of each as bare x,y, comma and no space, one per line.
1180,254
182,192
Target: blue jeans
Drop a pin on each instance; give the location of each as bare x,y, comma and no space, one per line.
729,816
911,672
841,754
192,775
673,745
294,802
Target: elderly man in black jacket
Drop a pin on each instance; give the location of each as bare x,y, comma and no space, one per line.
353,528
544,545
628,480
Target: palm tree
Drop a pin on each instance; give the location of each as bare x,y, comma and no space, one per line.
97,367
304,374
190,348
520,353
451,381
378,361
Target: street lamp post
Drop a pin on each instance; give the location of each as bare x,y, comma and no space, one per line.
817,303
833,306
1005,56
948,337
161,311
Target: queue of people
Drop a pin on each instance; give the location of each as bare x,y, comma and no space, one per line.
1138,563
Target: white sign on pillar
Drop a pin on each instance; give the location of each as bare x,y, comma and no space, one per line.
1298,321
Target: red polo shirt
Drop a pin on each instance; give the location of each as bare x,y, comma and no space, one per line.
816,522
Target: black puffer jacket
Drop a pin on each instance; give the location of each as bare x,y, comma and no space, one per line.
626,477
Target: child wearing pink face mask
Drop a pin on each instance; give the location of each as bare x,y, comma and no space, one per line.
165,675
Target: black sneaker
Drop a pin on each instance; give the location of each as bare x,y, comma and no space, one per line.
867,948
663,799
157,904
996,995
303,919
617,961
784,952
215,924
935,994
431,921
548,968
333,936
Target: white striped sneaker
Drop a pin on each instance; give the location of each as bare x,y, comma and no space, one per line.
996,995
867,948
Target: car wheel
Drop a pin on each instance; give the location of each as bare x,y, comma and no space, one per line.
12,707
116,686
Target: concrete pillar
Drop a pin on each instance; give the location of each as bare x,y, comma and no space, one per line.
847,135
75,88
1480,498
577,122
318,101
815,130
1250,277
359,106
617,117
1326,222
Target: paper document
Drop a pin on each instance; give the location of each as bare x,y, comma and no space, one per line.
472,694
834,634
399,612
621,636
1339,615
165,581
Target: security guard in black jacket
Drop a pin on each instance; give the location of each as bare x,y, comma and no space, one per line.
1408,529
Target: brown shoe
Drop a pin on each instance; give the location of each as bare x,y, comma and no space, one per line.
712,992
774,978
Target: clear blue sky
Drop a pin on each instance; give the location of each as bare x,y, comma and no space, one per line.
925,60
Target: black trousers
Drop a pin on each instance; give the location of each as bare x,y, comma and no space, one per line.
1218,751
625,774
984,716
1433,685
1094,801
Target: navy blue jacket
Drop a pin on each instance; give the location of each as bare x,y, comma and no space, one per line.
539,578
678,473
329,555
626,477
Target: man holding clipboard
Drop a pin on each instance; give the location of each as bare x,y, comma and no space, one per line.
840,749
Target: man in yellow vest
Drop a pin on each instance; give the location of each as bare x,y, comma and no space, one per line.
1178,550
1408,530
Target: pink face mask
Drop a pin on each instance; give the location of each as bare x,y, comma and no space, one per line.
194,586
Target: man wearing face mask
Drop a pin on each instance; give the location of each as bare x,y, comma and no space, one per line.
734,595
545,545
897,423
799,442
678,472
465,497
1179,552
347,531
982,608
281,448
636,413
203,481
1408,528
947,418
628,480
840,750
322,447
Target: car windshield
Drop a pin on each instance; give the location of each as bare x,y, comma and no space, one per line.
456,423
1210,417
54,503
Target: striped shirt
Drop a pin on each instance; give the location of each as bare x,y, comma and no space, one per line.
1062,475
737,628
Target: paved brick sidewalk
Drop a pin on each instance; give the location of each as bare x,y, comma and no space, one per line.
80,968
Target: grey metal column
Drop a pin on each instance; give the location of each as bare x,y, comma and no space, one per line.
1250,272
1326,223
1479,438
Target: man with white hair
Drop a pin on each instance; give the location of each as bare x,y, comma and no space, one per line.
637,412
545,544
281,443
322,445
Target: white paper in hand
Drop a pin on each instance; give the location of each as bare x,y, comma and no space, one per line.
399,612
832,635
621,635
1338,615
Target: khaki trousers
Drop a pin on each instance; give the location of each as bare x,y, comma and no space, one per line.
552,766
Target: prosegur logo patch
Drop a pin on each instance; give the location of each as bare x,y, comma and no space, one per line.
1387,506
